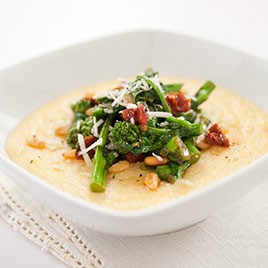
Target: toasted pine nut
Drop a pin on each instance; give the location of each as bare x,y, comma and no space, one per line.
62,131
153,161
119,166
36,143
128,98
69,154
152,181
89,111
143,128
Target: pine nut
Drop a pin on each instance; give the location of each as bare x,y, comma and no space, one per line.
69,154
89,111
36,143
152,181
119,166
153,161
62,131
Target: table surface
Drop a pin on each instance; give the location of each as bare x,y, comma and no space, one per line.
236,236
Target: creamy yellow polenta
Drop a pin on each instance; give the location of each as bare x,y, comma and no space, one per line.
247,127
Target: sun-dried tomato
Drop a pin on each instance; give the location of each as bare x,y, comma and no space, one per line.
91,99
132,158
140,115
88,141
216,136
127,114
178,102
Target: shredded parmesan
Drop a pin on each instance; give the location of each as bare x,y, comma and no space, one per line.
156,81
92,146
158,157
132,121
159,114
131,106
164,124
100,95
95,126
82,145
78,124
108,110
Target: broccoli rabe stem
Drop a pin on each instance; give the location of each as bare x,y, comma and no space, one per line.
165,173
172,171
202,94
182,168
100,167
194,152
172,87
157,91
175,150
186,128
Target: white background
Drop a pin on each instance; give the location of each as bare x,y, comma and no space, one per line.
30,28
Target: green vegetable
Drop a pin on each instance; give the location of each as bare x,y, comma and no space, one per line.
172,171
100,163
184,128
157,91
172,137
202,95
128,138
172,87
81,106
125,136
175,150
98,112
194,152
84,129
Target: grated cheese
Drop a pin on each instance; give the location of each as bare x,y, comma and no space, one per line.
132,121
95,126
92,146
108,110
158,157
100,95
82,145
131,106
159,114
163,124
78,124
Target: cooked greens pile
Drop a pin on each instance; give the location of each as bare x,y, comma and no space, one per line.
139,118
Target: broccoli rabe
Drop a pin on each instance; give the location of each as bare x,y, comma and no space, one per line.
81,106
169,134
172,171
129,138
125,136
79,127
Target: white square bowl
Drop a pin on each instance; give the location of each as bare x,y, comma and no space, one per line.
26,86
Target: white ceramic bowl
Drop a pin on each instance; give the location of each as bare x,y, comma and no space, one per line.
28,85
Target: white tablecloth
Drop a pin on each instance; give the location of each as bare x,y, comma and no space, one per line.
236,236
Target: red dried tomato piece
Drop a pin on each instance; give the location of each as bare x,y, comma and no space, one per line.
91,99
215,136
140,115
132,158
178,102
127,114
88,141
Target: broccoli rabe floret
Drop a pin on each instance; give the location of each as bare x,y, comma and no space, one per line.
81,106
125,136
78,127
128,138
